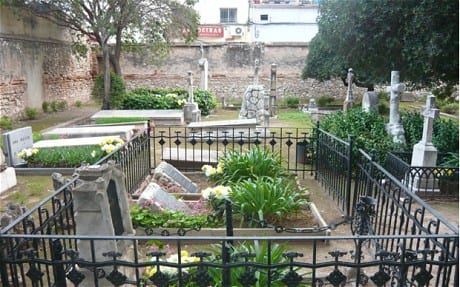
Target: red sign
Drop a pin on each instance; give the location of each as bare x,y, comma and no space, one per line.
211,31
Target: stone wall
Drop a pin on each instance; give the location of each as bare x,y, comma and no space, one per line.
231,70
37,65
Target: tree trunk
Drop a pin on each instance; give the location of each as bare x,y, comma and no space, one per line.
115,57
106,100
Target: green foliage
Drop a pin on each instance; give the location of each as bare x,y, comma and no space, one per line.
117,89
324,101
266,198
164,99
61,105
376,37
64,156
449,108
445,132
30,113
261,251
6,123
383,108
46,107
78,104
253,163
144,217
53,106
292,101
368,130
451,160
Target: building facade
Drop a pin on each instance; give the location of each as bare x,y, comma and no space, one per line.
268,21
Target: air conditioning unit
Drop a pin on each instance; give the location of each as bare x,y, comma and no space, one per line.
236,31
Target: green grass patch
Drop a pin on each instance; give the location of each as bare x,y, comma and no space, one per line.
295,118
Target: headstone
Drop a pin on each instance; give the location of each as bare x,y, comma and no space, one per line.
101,208
157,200
203,64
167,175
7,174
348,104
394,127
15,141
256,72
424,153
272,104
191,111
370,101
253,104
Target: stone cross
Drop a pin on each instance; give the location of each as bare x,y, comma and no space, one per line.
256,72
349,98
190,87
430,113
203,64
394,127
272,103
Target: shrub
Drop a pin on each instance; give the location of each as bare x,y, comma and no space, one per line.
6,123
53,106
31,113
368,130
61,105
265,198
324,101
117,89
46,107
292,101
164,99
78,104
450,108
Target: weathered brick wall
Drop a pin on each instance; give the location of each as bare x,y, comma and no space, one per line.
37,65
231,70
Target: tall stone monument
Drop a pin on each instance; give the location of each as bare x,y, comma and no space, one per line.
272,102
203,64
394,127
255,104
424,153
348,103
101,208
191,111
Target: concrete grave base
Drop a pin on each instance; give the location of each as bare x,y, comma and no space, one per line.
7,179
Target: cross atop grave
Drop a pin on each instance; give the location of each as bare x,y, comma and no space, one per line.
256,72
394,127
349,98
203,64
190,86
430,113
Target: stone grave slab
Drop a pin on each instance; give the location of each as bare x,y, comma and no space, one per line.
189,158
160,117
167,175
157,200
13,142
212,125
72,142
123,131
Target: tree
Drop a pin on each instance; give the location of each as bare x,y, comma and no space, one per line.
150,22
417,37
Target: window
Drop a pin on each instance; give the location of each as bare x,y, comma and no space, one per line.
227,15
264,17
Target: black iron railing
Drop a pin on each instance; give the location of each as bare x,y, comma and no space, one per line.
398,240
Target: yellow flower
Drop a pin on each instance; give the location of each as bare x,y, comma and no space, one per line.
93,153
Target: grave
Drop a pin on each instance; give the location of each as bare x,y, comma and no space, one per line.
167,175
191,111
203,64
370,101
348,103
424,153
124,131
157,200
161,117
182,158
15,141
394,127
7,174
101,208
71,142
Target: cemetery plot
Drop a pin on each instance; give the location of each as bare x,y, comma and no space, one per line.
160,117
14,142
125,132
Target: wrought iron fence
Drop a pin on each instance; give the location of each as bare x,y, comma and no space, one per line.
398,240
190,149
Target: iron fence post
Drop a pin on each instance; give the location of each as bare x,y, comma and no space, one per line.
226,272
3,271
149,129
316,156
349,174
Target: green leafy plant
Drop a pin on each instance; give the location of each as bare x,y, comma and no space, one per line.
46,107
53,106
117,90
266,198
31,113
292,101
61,105
144,217
6,123
324,101
450,108
61,156
255,162
78,104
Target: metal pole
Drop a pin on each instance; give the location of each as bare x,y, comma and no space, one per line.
349,174
226,272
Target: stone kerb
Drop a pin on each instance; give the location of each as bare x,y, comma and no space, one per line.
160,117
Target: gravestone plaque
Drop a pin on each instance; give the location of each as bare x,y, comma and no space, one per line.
166,173
157,200
15,141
